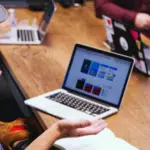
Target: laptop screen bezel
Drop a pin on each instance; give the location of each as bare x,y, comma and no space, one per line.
105,53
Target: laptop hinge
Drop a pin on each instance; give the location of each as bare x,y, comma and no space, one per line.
39,36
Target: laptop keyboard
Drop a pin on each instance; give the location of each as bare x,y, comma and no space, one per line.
26,35
77,103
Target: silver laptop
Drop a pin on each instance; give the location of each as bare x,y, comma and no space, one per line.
94,85
29,34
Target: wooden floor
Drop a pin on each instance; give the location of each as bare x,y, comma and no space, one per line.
39,69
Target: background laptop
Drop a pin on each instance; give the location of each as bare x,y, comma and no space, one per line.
29,34
94,85
35,5
128,40
14,3
131,42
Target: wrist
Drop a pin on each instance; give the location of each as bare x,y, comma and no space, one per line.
55,129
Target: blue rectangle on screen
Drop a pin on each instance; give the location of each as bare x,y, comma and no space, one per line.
94,69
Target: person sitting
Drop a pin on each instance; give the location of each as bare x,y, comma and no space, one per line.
135,12
14,135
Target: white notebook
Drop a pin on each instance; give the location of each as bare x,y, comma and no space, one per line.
105,140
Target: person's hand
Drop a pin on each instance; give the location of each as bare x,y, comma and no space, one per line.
142,21
66,128
5,27
0,72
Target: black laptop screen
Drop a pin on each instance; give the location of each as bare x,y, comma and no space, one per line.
98,74
49,11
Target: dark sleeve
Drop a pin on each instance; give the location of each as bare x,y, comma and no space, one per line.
22,145
111,9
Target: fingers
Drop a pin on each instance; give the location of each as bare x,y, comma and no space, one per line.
95,121
142,21
80,128
148,23
0,72
80,124
74,124
97,126
84,132
100,128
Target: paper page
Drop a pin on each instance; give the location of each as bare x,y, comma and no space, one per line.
87,142
105,140
113,144
124,145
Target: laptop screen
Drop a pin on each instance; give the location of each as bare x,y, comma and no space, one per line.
49,11
98,74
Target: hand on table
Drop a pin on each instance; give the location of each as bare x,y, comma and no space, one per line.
67,128
142,21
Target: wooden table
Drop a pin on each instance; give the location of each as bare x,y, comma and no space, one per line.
41,68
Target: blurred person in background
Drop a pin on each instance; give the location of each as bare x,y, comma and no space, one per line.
134,12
